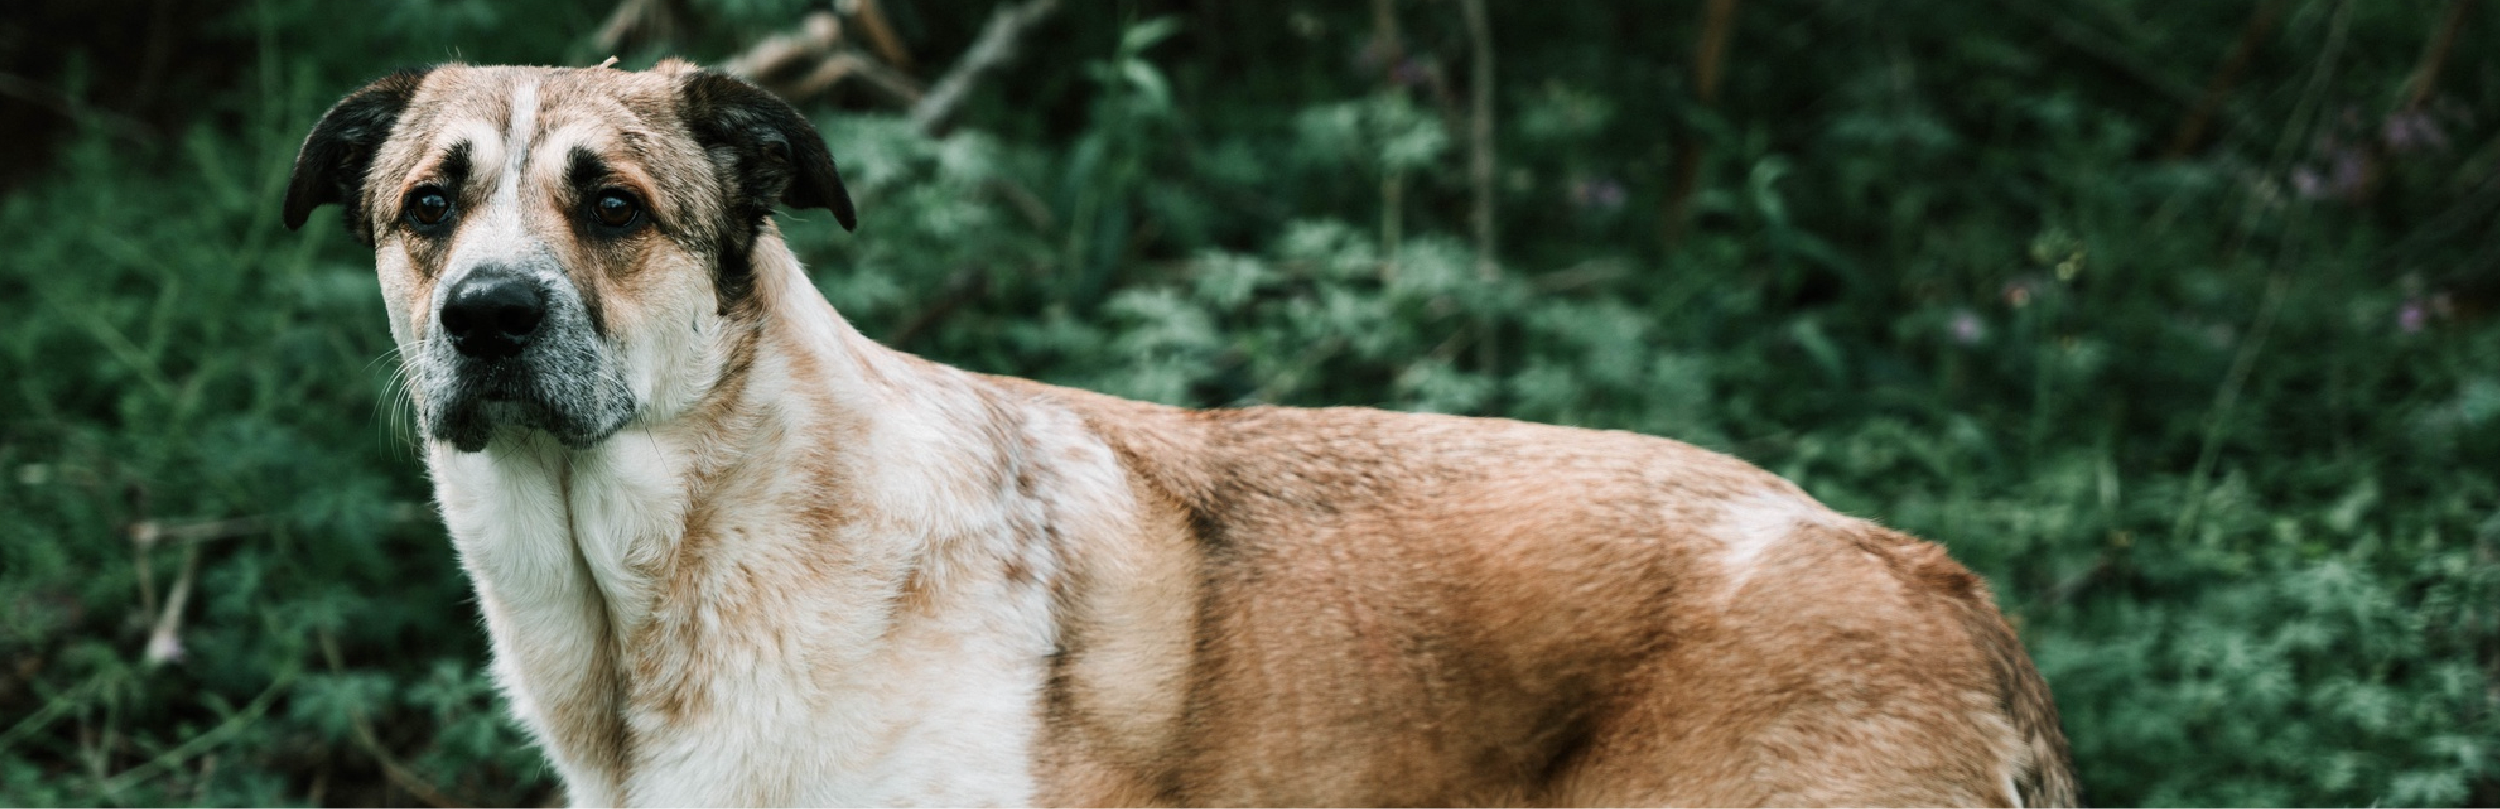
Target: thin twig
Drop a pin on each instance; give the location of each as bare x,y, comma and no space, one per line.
802,63
993,50
53,708
1389,43
2109,50
638,21
881,36
398,773
147,533
112,123
207,739
815,39
1709,54
2192,129
165,641
2435,55
1480,162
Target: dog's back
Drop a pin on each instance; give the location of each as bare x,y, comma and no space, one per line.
1388,608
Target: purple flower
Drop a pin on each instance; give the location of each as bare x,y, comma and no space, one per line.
1967,328
1601,193
2346,175
2411,130
1414,72
2411,317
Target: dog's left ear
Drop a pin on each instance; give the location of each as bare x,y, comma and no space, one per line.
332,165
765,149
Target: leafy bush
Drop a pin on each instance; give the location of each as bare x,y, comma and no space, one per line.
2218,428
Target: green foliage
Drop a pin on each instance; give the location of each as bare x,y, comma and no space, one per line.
2218,429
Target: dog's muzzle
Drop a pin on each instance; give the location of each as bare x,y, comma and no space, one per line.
516,353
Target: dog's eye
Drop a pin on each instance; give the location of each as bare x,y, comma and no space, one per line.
428,206
615,209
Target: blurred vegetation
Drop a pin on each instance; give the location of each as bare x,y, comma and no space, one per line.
2173,319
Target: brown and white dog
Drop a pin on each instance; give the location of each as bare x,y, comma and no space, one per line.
731,552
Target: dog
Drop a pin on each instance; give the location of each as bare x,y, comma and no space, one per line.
729,551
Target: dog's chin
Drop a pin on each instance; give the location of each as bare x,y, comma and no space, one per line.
473,420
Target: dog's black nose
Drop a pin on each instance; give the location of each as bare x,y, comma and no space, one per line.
491,315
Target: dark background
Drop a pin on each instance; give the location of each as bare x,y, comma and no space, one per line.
2174,319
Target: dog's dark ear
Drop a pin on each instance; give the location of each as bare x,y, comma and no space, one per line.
767,151
331,167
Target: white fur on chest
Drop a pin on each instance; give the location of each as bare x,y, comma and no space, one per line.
810,688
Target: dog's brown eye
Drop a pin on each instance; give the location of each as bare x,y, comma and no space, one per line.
615,209
428,206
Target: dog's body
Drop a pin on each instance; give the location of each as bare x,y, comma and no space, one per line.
732,552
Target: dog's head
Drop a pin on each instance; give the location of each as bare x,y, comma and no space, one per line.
565,250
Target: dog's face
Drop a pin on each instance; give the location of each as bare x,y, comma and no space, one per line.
562,250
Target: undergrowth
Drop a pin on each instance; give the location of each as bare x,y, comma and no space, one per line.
2219,429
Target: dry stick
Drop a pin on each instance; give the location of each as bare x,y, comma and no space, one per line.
2192,130
2278,285
634,21
1718,23
165,641
817,35
897,87
994,49
2435,55
881,34
1480,166
206,740
1390,45
398,773
2108,50
816,54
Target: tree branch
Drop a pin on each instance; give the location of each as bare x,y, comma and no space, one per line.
1480,158
936,110
2192,130
1709,54
807,62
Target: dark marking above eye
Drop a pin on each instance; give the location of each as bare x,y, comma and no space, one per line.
584,170
455,165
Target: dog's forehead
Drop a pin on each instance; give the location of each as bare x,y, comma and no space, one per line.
528,103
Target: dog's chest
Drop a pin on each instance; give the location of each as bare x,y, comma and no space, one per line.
768,674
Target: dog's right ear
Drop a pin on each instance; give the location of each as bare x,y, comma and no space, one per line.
331,166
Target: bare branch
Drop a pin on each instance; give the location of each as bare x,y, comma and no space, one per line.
881,36
2435,55
996,47
818,34
1480,160
1709,57
2192,130
639,21
149,532
165,641
392,768
809,61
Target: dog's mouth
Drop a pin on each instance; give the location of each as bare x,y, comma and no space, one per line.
483,400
